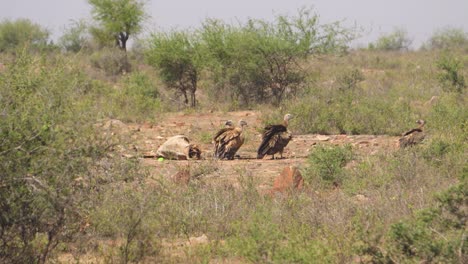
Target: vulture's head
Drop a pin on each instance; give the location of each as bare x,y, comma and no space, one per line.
242,123
421,122
194,151
229,123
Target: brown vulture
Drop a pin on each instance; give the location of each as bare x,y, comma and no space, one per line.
228,140
274,139
414,136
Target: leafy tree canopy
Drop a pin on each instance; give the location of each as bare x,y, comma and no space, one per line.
21,32
120,18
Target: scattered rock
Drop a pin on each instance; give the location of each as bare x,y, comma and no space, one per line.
434,99
181,177
148,155
323,138
361,198
203,239
289,179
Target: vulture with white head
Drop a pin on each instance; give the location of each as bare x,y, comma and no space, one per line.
275,138
228,140
414,136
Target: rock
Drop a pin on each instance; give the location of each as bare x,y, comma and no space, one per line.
203,239
361,198
181,177
289,179
323,138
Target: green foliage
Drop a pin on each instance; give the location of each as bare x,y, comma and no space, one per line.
260,239
51,158
75,37
119,18
326,163
451,77
259,61
176,55
20,33
448,38
349,80
128,214
110,60
396,41
434,235
138,99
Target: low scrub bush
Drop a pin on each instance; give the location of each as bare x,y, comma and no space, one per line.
52,159
435,234
326,163
138,99
451,77
111,61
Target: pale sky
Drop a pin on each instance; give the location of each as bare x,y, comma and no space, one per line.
420,18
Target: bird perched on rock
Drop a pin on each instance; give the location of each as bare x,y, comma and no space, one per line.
228,140
414,136
275,138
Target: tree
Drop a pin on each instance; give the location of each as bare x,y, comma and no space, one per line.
21,32
177,56
119,18
75,38
448,38
398,40
262,59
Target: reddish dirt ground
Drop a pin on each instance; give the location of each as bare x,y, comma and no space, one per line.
200,127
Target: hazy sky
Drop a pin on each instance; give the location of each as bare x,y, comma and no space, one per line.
419,17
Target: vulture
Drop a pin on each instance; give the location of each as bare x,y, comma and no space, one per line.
228,140
274,139
414,136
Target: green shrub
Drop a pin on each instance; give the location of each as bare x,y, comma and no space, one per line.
127,214
451,77
396,41
177,57
137,100
111,60
20,33
448,38
52,158
435,234
259,61
75,38
326,163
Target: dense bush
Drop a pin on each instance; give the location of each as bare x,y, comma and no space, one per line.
259,62
448,38
326,164
451,77
76,37
111,60
398,40
52,159
177,57
22,32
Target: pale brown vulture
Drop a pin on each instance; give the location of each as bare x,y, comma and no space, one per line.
275,138
228,140
414,136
